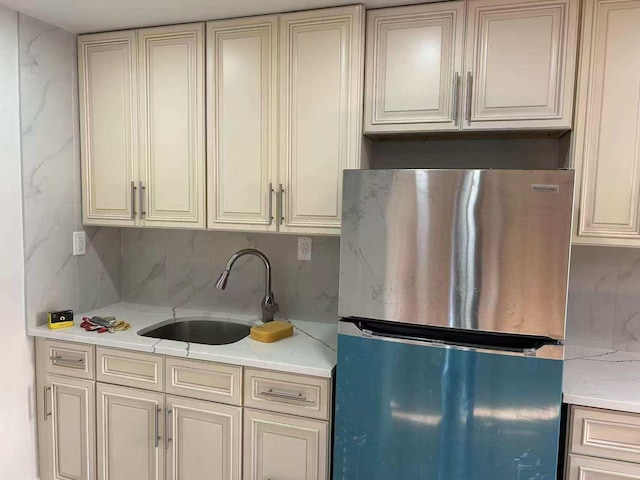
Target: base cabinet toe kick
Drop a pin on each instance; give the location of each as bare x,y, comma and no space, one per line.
113,414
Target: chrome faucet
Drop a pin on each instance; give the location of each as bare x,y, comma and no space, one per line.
269,305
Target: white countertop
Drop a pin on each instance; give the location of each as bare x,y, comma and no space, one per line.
310,351
602,378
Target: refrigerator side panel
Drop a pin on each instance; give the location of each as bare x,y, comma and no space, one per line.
469,249
407,411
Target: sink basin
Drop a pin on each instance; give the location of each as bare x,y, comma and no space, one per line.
205,330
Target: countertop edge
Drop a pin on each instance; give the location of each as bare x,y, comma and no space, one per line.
157,347
593,402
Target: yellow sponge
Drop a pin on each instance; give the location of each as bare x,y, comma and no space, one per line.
272,331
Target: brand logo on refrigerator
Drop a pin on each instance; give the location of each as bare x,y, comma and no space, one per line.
540,188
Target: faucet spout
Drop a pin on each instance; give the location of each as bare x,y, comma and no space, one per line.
269,305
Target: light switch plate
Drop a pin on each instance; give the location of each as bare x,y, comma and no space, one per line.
304,248
79,243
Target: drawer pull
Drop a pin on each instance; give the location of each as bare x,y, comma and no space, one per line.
67,362
299,397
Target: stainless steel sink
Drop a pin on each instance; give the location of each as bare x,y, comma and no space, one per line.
207,330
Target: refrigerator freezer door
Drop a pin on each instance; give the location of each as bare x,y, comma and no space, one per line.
420,412
469,249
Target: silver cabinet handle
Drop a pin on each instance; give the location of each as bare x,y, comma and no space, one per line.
155,426
67,362
142,192
133,200
270,203
280,212
469,94
300,397
47,412
169,434
456,97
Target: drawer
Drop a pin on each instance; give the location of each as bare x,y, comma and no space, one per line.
605,433
587,468
70,359
131,369
204,380
287,393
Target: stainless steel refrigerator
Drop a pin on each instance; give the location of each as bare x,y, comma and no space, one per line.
453,287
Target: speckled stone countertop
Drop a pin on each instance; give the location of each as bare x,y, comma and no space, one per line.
310,351
602,378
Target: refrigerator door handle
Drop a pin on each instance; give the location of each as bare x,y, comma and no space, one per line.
550,351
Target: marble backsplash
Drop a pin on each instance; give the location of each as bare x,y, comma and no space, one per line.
604,298
179,268
54,278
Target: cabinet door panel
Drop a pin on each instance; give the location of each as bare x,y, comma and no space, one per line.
521,58
413,56
203,440
129,432
590,468
320,81
607,137
284,447
242,121
71,426
171,69
108,126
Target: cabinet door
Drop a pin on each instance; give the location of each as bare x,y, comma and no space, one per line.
607,135
242,123
590,468
414,63
520,63
284,447
321,67
69,426
172,152
203,440
129,433
108,127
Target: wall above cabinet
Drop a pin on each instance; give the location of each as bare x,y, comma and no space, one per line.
509,66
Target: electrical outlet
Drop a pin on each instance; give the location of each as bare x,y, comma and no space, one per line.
79,243
304,248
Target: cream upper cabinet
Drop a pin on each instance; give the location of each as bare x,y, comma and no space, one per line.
130,432
142,127
607,135
520,64
321,75
203,440
172,153
473,65
242,112
413,68
282,447
107,64
69,429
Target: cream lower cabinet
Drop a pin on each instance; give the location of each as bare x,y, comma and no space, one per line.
135,422
68,429
602,445
606,141
130,433
285,119
142,127
284,447
203,440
